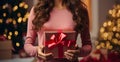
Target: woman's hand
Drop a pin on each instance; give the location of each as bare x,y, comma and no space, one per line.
72,55
44,56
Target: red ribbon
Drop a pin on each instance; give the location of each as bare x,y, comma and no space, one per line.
57,40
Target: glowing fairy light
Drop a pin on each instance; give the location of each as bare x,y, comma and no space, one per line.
17,44
16,33
15,8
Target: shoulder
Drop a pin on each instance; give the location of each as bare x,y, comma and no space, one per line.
32,10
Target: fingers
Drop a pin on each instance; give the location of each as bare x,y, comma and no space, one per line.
44,56
68,56
47,56
71,55
73,51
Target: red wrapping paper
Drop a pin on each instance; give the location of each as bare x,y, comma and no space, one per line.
58,42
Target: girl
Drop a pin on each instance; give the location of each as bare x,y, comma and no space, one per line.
66,15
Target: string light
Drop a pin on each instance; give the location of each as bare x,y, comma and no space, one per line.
110,11
98,47
110,47
15,8
118,6
4,14
114,40
16,33
24,19
21,4
1,21
109,23
117,35
114,28
4,6
25,6
102,29
9,37
17,44
5,35
19,19
105,24
27,15
105,35
102,45
10,33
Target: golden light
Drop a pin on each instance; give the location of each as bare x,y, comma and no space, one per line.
110,12
102,45
98,47
16,33
24,19
110,47
9,37
102,29
117,35
4,14
14,22
19,14
10,33
114,11
5,35
118,6
9,20
113,15
109,23
105,24
118,25
17,44
105,34
96,42
119,11
1,21
4,6
19,19
118,14
115,41
27,15
109,37
15,8
21,4
25,6
114,28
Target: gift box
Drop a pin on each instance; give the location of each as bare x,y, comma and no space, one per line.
57,42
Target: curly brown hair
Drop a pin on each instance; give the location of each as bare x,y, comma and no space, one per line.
43,8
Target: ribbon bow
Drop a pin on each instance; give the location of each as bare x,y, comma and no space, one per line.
55,40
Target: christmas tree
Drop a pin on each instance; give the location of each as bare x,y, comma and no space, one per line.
13,21
109,35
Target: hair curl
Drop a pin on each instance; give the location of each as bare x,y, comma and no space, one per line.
43,8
